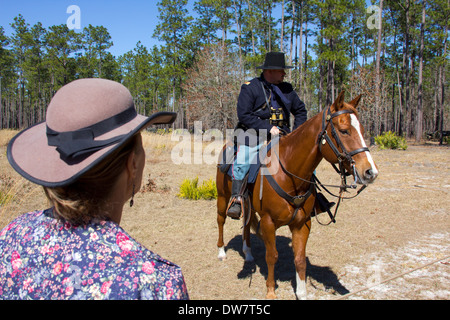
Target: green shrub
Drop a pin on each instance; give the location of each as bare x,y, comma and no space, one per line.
390,140
208,190
190,189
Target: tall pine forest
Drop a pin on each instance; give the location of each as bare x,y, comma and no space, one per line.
393,52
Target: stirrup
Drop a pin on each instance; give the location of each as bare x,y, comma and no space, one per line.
234,210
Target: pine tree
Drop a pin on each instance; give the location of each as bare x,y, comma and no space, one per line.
96,40
173,30
62,44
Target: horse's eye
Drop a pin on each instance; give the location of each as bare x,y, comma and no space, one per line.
345,132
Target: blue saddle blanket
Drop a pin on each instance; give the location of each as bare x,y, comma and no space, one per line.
254,167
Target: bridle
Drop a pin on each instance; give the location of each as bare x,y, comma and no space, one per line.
344,156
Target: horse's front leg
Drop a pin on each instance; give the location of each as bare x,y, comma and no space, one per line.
300,234
269,237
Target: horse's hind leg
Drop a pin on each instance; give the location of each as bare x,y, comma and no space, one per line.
246,240
221,217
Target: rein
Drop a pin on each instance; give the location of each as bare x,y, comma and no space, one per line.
343,156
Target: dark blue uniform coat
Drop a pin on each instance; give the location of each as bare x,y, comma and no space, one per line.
253,112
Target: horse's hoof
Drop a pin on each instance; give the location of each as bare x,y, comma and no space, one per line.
222,255
300,291
247,253
271,296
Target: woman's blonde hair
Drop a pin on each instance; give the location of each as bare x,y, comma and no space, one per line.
85,199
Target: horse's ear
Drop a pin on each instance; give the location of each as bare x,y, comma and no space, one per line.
355,101
339,102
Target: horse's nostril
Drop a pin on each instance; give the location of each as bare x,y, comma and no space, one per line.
370,175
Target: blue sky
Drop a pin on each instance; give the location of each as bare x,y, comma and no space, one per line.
128,21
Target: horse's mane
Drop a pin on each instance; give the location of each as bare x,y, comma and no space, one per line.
304,125
301,127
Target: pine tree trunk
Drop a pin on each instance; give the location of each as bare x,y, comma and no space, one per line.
419,118
377,71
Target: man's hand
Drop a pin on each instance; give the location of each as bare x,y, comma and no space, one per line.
274,131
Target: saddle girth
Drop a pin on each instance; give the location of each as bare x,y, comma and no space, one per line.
296,201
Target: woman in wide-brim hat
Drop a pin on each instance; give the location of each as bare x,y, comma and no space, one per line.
88,156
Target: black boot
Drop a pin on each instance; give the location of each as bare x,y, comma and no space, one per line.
234,208
322,205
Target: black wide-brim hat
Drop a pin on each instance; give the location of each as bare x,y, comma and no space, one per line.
274,60
87,120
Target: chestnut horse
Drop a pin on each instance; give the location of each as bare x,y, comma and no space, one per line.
334,134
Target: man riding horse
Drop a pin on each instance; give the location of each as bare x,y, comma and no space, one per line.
264,107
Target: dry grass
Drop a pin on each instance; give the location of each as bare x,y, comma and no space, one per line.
6,135
404,214
17,195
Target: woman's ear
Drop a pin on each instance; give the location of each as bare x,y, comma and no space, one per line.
132,166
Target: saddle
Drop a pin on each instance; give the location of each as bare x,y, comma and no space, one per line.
229,155
225,166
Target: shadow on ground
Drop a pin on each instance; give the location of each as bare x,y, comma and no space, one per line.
284,268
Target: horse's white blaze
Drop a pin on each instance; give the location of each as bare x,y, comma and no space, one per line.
357,126
300,291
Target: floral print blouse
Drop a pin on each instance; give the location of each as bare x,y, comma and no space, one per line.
45,258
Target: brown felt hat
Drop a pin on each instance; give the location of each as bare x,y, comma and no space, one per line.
86,121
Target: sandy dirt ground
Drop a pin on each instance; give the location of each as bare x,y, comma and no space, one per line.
391,242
